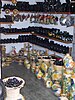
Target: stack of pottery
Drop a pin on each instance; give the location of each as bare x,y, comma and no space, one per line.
68,63
69,77
56,87
57,75
66,83
38,72
44,67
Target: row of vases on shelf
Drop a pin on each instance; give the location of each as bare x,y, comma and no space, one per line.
50,33
38,41
47,6
57,77
36,18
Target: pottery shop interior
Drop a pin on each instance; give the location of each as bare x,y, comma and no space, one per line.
37,49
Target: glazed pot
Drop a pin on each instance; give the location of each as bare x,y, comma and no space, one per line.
14,92
56,88
49,83
56,76
39,74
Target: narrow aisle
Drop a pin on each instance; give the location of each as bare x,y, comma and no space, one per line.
34,88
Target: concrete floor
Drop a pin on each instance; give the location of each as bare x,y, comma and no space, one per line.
34,88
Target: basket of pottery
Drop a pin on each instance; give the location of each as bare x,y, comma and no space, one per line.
13,86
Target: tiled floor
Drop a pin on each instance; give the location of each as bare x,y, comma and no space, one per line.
34,88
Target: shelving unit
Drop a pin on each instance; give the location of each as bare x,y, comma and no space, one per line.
34,43
17,33
54,39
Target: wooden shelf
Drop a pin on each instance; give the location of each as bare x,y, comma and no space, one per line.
6,0
6,22
44,12
61,40
17,33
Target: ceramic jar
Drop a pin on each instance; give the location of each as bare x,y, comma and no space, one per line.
39,74
44,66
56,76
45,77
14,92
68,61
49,83
56,88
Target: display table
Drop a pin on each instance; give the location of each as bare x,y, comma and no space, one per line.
13,92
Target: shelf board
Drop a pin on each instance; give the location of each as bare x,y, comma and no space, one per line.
61,41
44,12
6,22
6,0
17,33
52,38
